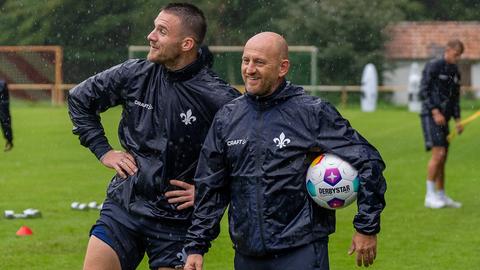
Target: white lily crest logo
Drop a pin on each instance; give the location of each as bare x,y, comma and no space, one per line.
182,256
281,141
188,118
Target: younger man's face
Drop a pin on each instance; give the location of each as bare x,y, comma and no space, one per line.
165,39
452,55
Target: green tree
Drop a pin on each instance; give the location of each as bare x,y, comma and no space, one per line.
94,34
458,10
348,33
232,22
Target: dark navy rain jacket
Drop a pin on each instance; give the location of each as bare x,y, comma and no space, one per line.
440,88
254,158
166,116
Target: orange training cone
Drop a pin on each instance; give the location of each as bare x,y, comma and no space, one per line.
24,230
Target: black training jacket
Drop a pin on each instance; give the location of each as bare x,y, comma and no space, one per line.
255,158
440,88
5,119
166,116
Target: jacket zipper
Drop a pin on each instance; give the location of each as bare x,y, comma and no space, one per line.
258,161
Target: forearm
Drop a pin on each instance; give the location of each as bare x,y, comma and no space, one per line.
211,199
370,199
206,223
88,128
85,103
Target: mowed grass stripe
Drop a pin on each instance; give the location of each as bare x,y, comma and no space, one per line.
48,169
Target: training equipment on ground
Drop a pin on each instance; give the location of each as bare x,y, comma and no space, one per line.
24,231
464,122
332,182
27,213
86,206
79,206
32,213
92,205
9,214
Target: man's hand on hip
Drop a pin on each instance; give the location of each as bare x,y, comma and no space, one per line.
120,161
185,195
194,262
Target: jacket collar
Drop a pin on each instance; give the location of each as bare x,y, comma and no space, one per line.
284,91
186,72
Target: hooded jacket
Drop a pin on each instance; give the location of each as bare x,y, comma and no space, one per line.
165,118
255,158
440,88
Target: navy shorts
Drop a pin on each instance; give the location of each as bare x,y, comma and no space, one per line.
433,134
313,256
131,236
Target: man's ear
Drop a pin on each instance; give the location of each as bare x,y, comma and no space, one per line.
284,66
188,44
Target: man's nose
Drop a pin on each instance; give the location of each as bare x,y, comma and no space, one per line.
250,68
151,36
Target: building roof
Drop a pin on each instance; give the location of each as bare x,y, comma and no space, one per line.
423,40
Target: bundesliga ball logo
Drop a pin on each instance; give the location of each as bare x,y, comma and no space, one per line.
332,182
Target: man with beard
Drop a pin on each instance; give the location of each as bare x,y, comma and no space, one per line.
168,104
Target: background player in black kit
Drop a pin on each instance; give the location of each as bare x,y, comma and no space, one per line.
5,119
440,93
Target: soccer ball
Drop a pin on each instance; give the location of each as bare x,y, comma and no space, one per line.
332,182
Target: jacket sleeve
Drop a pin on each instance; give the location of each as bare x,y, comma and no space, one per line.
212,193
428,92
456,99
335,135
88,99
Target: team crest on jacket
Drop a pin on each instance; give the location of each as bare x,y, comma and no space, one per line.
281,141
182,256
188,118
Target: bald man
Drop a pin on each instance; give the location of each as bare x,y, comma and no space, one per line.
255,159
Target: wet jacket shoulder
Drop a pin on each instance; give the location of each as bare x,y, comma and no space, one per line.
120,83
97,94
440,88
254,157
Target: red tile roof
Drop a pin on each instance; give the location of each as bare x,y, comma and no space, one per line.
422,40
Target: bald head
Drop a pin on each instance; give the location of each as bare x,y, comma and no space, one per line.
264,63
271,42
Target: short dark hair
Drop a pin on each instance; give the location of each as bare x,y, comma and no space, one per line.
191,17
456,44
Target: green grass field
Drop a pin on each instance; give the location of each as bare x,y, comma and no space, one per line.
48,169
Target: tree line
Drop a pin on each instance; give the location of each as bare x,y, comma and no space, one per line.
95,34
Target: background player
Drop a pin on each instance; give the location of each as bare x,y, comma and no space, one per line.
440,93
